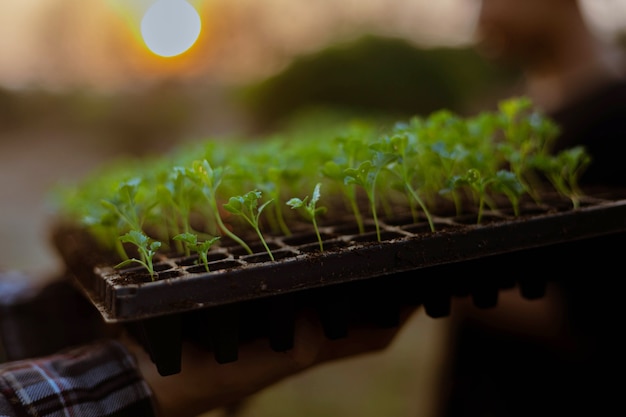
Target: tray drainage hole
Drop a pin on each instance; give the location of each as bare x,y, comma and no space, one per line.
213,267
371,237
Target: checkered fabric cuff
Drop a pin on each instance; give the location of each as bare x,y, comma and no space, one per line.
98,380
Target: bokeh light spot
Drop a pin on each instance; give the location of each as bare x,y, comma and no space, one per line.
170,27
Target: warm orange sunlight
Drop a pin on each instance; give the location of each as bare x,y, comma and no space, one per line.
104,43
170,27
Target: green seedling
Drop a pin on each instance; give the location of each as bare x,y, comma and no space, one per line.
333,171
105,226
366,176
247,207
210,180
200,247
124,206
477,184
509,184
272,187
449,161
176,194
397,148
405,168
564,171
146,248
311,210
526,135
503,181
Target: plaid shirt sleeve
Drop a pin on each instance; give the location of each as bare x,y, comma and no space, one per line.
97,380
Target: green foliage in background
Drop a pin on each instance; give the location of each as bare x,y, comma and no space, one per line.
375,75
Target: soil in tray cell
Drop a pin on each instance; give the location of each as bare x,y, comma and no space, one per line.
213,267
472,219
328,246
305,239
265,257
525,211
158,267
351,228
257,248
373,237
193,260
404,219
167,274
134,275
420,228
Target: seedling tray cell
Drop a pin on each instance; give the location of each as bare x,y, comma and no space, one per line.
357,277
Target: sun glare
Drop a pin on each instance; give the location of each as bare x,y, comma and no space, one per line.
170,27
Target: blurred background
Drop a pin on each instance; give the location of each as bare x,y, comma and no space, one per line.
79,86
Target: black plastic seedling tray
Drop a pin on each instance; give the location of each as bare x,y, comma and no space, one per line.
357,279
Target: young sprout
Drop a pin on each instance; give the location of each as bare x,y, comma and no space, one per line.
335,172
210,180
366,176
200,247
146,249
123,205
106,226
477,184
503,181
509,184
350,148
311,210
247,207
564,171
175,193
397,147
448,162
273,188
526,134
123,212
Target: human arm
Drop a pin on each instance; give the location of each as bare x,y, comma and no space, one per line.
202,385
117,379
